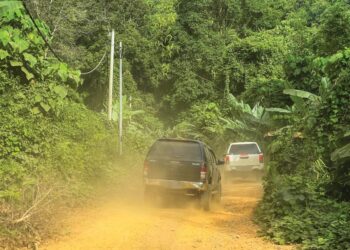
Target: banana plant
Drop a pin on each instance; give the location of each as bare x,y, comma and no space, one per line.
343,152
246,120
185,130
302,94
128,113
299,97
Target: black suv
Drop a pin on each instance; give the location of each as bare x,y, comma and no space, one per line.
186,167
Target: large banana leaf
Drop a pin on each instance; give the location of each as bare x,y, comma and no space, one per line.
302,94
235,125
278,110
341,153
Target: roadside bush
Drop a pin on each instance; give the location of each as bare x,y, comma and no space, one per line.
48,153
295,209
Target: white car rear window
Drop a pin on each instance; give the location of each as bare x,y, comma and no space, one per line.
238,149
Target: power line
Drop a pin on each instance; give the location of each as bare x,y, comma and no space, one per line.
98,65
49,46
40,33
194,73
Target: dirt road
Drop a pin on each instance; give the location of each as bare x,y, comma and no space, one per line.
125,223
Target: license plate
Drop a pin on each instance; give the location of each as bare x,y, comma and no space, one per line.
243,156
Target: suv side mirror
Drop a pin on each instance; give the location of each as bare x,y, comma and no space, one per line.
220,162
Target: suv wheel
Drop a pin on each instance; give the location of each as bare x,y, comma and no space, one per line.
206,200
217,195
149,196
257,175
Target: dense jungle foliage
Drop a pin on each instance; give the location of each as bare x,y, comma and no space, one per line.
277,72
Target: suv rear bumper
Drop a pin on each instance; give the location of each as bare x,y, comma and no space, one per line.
174,184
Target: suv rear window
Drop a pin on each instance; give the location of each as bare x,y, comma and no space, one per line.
237,149
176,150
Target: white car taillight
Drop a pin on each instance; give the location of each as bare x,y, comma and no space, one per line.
261,158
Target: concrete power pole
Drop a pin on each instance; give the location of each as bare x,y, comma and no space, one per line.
110,92
120,98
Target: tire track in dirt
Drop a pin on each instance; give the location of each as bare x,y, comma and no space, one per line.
125,223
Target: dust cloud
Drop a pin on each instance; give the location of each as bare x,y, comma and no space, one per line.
123,221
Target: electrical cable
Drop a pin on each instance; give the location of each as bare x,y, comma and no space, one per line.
49,46
201,77
98,65
40,33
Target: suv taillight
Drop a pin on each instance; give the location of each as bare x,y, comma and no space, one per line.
261,158
145,169
203,172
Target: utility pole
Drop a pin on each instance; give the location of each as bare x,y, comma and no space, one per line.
120,98
110,93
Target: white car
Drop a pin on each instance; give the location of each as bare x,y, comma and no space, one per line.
244,157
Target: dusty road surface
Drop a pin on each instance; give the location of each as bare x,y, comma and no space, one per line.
123,222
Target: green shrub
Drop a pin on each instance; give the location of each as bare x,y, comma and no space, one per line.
296,210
